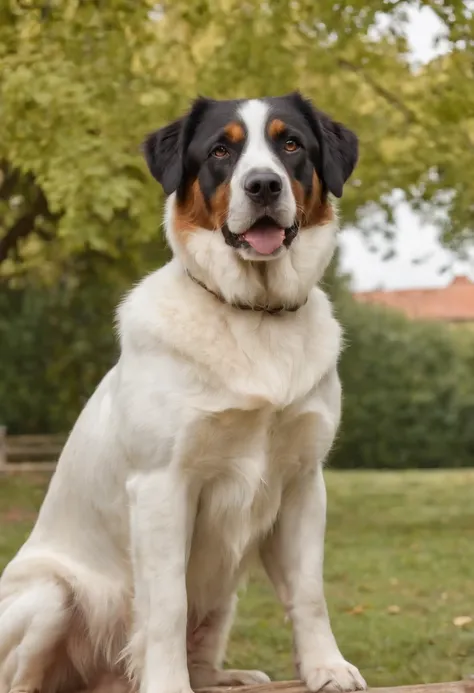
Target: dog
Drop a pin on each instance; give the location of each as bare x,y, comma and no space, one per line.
204,445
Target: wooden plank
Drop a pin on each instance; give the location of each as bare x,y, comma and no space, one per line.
43,445
12,468
466,686
33,452
3,452
55,439
30,450
15,446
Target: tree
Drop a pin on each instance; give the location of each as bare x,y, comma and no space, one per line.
71,92
82,83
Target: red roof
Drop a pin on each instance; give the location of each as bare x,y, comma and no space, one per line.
451,303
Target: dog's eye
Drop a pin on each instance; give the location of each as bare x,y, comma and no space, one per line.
220,152
291,145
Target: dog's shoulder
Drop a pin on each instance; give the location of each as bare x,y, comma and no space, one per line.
138,314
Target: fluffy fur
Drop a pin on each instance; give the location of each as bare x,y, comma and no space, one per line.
204,445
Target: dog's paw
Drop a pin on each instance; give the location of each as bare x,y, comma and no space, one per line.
207,678
338,677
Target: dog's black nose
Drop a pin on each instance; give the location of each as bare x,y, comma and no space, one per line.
263,186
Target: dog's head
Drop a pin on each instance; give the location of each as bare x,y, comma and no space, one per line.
256,171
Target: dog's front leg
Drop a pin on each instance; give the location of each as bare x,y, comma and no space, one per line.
293,558
162,513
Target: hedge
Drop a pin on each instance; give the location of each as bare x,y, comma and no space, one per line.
408,387
55,345
408,392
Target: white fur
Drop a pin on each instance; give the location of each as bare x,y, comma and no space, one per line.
203,446
256,155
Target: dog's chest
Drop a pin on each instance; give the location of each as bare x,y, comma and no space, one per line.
248,461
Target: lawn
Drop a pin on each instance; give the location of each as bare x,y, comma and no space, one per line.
399,574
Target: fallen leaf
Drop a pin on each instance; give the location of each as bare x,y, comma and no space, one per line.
393,609
356,610
461,621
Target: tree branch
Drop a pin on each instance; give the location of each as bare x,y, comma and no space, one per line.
10,180
392,99
25,226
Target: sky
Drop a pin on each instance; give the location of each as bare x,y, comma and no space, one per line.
414,239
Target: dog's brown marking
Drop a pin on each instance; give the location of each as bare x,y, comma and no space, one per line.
276,128
312,209
220,205
234,132
192,213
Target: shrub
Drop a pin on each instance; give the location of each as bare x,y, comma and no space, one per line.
55,345
408,392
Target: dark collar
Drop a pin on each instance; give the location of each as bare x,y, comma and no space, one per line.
276,310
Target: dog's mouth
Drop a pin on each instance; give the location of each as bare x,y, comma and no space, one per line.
265,236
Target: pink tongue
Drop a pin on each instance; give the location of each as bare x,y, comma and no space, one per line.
266,240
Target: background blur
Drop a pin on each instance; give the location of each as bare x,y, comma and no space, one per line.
81,83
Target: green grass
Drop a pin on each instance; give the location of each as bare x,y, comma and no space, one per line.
403,540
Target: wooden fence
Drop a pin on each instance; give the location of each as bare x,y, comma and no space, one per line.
29,451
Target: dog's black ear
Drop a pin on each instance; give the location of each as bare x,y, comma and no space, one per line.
339,147
164,156
165,149
340,152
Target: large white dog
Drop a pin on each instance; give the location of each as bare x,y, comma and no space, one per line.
205,444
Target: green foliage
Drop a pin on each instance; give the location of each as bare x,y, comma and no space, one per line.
408,392
82,83
57,344
72,123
